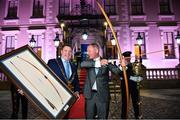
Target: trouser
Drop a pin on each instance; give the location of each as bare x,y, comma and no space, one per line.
133,93
95,107
15,103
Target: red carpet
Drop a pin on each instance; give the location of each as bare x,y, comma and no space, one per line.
78,109
82,77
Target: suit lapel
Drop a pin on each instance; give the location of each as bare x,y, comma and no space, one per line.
72,70
61,66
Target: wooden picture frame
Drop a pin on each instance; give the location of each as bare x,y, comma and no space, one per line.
38,82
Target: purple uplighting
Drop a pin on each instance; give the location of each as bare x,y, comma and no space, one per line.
156,21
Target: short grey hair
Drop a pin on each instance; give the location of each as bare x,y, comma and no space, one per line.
95,45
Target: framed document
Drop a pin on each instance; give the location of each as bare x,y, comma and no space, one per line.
40,85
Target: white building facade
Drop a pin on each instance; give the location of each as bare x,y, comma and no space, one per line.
157,21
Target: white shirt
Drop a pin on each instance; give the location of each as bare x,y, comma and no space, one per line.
97,65
97,62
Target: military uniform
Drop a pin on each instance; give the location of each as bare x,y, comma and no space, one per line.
133,91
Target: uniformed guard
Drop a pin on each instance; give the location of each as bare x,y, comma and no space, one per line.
132,83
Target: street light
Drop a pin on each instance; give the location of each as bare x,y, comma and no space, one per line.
113,42
62,25
56,44
139,41
84,35
105,24
32,42
62,28
178,42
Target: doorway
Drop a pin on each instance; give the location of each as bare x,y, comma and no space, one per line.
84,51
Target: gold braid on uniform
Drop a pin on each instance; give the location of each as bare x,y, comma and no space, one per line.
138,69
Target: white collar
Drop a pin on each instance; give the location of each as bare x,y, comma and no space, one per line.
63,60
97,59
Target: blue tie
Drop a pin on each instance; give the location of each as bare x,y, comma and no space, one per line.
96,70
67,69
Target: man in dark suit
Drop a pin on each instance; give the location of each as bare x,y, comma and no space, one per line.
65,69
96,87
17,95
132,83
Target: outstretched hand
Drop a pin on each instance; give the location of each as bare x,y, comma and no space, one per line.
104,62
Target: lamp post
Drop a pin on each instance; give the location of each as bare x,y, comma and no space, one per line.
32,42
62,28
178,42
139,41
105,38
56,44
113,42
105,25
84,35
62,25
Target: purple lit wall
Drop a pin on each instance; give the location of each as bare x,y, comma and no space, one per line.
151,23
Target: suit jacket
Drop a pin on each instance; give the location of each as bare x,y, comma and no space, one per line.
57,67
102,79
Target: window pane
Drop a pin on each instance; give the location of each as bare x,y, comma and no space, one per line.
110,7
169,51
12,9
136,7
38,8
64,7
38,39
143,45
13,42
10,40
164,7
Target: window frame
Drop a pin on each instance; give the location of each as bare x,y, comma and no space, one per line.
34,5
12,47
135,4
65,8
143,45
167,43
109,4
167,4
9,7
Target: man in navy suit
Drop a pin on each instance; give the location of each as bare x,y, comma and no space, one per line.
65,69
